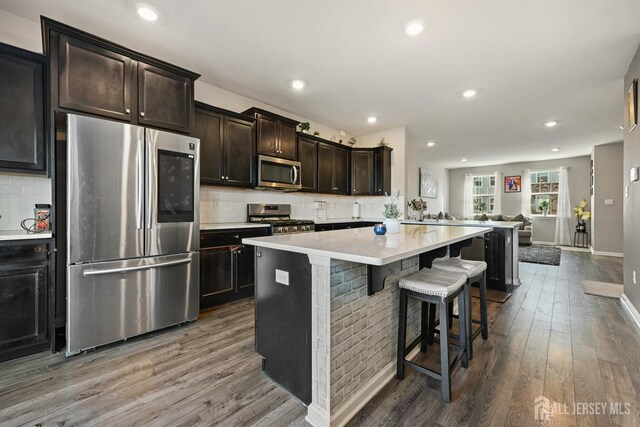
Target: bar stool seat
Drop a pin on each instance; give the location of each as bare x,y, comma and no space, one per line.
433,288
475,273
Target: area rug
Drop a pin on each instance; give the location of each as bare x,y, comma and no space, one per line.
602,289
540,254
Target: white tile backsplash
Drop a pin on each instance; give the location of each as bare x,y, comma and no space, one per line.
18,197
220,205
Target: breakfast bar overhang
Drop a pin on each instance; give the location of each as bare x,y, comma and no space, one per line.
327,309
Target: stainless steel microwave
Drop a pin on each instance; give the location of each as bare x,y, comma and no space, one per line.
278,174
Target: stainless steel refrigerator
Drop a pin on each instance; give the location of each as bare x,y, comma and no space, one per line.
132,231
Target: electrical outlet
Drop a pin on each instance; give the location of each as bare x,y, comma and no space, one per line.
282,277
634,277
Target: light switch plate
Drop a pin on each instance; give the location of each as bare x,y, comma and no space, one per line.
282,277
608,202
633,173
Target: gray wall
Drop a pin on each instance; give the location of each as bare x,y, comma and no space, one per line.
606,225
632,202
543,228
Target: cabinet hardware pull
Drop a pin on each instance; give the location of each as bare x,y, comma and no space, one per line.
142,113
127,110
258,254
39,249
236,236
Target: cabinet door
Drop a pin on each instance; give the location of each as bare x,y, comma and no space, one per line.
216,278
22,146
382,171
267,135
165,99
287,140
362,172
23,304
325,169
341,170
93,80
245,267
207,126
308,157
238,152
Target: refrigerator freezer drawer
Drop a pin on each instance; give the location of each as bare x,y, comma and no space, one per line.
111,301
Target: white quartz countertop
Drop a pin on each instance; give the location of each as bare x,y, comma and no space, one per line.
230,226
22,235
345,220
363,246
466,223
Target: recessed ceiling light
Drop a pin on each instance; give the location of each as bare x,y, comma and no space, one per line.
551,123
554,149
463,160
372,119
147,13
297,84
413,28
430,144
469,93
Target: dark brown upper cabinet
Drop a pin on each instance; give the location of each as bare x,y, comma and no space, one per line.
165,99
23,101
94,76
227,146
275,134
382,171
308,158
334,167
362,172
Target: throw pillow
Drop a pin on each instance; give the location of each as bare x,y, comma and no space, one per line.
483,217
500,218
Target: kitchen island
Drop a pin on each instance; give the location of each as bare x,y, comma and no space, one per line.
327,310
500,249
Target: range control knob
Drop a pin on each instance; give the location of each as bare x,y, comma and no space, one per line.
294,229
285,229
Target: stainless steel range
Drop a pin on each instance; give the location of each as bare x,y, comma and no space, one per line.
279,217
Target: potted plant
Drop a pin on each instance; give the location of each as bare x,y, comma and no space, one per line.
316,133
391,214
352,141
582,215
304,127
544,207
382,142
418,206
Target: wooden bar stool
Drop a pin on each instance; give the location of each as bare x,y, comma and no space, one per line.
475,272
433,288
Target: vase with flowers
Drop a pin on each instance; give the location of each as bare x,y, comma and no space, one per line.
391,214
418,206
582,215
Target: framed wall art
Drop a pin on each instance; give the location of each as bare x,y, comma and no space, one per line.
428,183
512,184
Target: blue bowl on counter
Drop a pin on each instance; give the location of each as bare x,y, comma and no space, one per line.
380,229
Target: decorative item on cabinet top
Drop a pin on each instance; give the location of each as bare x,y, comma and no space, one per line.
95,76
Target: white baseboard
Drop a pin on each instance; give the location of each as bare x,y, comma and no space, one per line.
539,242
603,253
365,393
631,309
317,417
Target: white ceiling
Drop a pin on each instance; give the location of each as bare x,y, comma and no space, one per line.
530,61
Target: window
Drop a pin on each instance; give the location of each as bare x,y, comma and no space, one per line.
544,187
484,193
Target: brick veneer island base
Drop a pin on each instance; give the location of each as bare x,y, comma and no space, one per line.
327,310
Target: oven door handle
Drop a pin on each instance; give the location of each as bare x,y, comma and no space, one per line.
295,174
136,268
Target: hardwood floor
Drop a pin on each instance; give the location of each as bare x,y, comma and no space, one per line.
548,339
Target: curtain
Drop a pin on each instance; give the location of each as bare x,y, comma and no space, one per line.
497,198
525,186
467,209
563,218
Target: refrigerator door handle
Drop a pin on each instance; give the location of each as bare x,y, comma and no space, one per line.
136,268
140,186
149,159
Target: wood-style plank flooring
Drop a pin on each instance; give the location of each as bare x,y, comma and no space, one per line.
548,339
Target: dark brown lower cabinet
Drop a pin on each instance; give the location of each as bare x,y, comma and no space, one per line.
226,265
23,299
